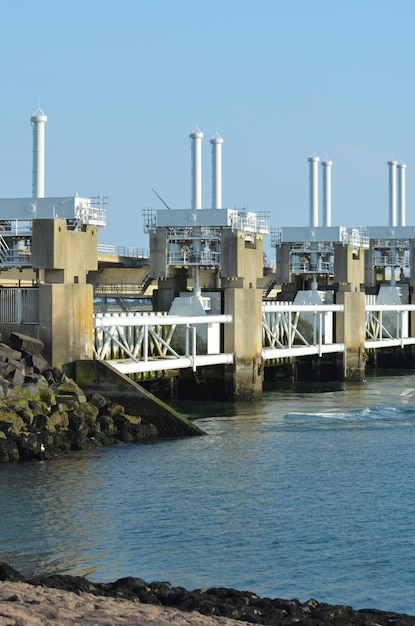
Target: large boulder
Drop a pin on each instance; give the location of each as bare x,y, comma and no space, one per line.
25,343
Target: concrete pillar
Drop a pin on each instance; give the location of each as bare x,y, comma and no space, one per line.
243,379
241,269
66,322
62,259
283,271
350,325
370,278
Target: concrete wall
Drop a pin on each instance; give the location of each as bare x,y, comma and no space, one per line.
99,377
158,256
66,256
117,275
66,322
243,379
241,259
283,274
349,268
62,259
350,330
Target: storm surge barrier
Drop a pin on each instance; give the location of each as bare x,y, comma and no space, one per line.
153,342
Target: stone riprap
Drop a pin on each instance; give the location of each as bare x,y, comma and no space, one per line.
217,602
44,413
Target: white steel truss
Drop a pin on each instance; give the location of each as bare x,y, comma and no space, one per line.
388,325
140,342
135,343
298,330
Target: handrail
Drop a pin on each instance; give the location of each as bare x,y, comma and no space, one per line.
141,342
135,253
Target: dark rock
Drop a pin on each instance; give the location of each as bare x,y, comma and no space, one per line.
220,602
40,422
87,411
29,446
8,450
44,413
65,582
99,401
107,426
7,572
38,407
25,343
112,409
26,414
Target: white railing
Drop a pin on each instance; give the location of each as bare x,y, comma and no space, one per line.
298,329
387,325
189,257
135,253
135,343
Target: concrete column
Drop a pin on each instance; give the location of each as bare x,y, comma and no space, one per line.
370,278
65,322
350,325
241,269
62,259
243,379
283,272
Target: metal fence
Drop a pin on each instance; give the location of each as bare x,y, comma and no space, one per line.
19,305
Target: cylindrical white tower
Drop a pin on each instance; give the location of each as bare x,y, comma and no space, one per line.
326,165
392,192
38,120
196,137
216,143
313,160
401,194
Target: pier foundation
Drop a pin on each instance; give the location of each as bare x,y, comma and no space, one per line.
241,269
350,325
62,259
244,378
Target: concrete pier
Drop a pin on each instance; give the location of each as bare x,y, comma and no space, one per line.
62,259
350,326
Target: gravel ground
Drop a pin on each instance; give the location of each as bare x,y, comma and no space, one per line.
29,605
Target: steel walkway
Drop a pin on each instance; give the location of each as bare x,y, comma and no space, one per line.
142,342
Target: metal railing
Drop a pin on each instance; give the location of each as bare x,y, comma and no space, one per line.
387,325
137,343
135,253
189,257
298,329
19,305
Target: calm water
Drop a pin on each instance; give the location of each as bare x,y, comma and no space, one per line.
309,493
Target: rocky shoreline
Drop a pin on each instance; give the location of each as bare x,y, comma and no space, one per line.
225,603
44,413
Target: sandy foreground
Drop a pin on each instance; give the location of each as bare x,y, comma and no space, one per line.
28,605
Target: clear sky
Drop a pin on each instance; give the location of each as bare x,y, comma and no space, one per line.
124,82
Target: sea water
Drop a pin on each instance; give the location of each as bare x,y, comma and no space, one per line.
307,493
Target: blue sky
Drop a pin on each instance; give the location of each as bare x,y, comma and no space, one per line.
124,83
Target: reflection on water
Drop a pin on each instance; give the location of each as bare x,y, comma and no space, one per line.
53,507
309,492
